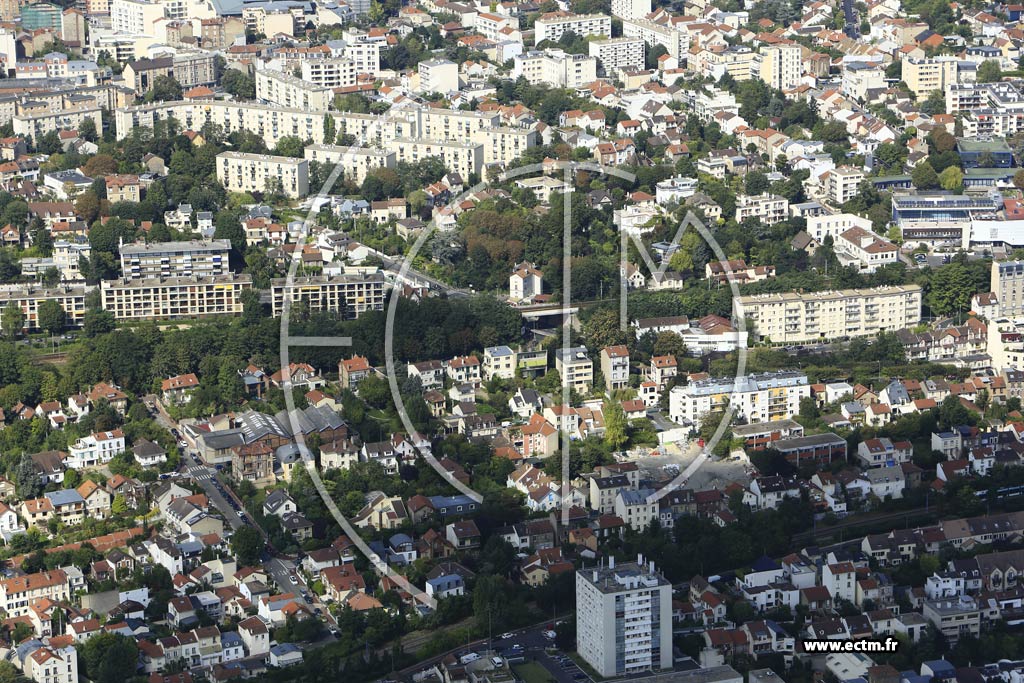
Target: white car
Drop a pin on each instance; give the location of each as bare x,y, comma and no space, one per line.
550,635
506,636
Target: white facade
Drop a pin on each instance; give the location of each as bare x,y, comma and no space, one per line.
330,73
781,66
758,398
278,87
618,53
624,619
631,9
555,68
95,449
439,75
551,26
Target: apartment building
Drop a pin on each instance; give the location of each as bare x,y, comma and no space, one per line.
491,25
866,250
337,72
51,664
552,25
555,68
924,76
174,298
767,208
1007,283
350,294
504,144
134,17
67,256
618,53
357,162
204,258
18,592
189,69
631,9
655,34
758,398
615,367
793,317
123,188
284,89
843,184
95,449
499,361
438,75
264,173
739,61
464,158
624,618
835,224
29,296
781,66
34,126
575,367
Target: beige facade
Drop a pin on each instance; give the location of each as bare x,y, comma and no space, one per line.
465,158
330,73
555,68
174,298
202,258
793,317
240,172
923,76
353,294
284,89
781,66
28,297
356,162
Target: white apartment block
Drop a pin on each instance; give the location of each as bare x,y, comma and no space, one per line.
52,665
631,9
791,317
68,255
134,17
174,298
551,26
575,368
781,66
768,208
865,249
1007,283
356,162
464,158
624,619
438,76
172,259
490,25
239,172
349,294
96,449
758,398
555,68
618,53
284,89
833,225
28,297
843,184
655,34
330,73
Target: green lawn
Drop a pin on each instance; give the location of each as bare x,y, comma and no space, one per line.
532,672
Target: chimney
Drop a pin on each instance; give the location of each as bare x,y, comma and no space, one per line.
611,562
595,576
640,559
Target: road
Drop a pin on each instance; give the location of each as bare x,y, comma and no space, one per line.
851,28
394,264
230,508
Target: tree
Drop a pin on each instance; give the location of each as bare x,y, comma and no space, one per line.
246,544
165,88
952,179
119,506
669,344
1018,179
989,71
614,425
239,84
110,657
290,146
12,320
51,316
756,183
26,478
924,176
87,130
227,226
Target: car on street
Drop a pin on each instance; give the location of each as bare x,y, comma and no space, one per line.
506,636
549,634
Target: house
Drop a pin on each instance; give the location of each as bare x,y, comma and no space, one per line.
352,371
279,504
462,535
525,282
96,449
97,499
178,390
298,375
148,454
